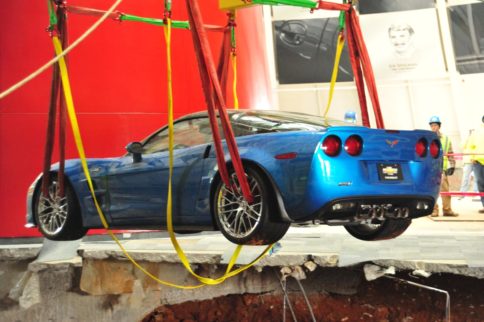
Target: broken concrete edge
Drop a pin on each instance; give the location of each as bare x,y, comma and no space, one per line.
281,260
18,253
434,267
30,253
37,266
115,291
325,260
127,294
150,256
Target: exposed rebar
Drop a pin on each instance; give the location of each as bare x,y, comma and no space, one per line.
283,284
306,299
447,295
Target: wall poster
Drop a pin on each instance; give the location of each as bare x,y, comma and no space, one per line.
404,44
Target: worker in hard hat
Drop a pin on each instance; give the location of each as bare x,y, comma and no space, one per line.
350,117
468,167
476,143
447,169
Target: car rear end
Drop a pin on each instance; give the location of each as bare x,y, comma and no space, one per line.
359,173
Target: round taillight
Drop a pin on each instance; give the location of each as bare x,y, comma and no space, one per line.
331,145
435,149
354,145
421,148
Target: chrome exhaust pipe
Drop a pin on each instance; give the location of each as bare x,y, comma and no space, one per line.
381,213
373,212
405,212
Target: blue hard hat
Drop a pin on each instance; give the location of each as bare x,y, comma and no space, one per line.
350,117
434,119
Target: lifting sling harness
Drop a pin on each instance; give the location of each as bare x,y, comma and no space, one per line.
213,80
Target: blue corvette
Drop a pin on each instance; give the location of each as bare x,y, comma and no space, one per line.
300,168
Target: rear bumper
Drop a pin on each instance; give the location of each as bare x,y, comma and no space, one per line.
364,207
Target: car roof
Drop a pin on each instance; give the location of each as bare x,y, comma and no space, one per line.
290,116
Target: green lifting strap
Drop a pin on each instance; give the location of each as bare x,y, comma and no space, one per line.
342,18
296,3
52,15
156,22
233,42
168,6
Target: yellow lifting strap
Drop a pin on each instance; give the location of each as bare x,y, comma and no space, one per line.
233,4
80,149
169,210
234,86
334,76
82,156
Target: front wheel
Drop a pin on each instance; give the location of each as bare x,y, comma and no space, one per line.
58,217
248,224
387,229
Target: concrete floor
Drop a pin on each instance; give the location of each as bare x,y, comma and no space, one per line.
455,241
69,277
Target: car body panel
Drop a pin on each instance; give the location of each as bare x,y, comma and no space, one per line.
306,185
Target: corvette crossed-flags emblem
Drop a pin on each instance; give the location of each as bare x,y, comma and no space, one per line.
391,143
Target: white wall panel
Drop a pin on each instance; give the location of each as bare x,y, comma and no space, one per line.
435,88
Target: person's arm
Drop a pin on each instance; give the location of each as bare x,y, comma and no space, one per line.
451,168
451,156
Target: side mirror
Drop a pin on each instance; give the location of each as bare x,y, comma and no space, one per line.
136,149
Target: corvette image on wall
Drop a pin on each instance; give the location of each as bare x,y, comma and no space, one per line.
305,51
300,168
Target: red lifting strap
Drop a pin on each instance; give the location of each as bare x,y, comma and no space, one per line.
333,6
367,68
357,72
214,98
57,102
360,62
224,59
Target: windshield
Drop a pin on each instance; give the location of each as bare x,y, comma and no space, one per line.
252,122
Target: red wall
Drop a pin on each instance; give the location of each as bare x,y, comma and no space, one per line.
118,82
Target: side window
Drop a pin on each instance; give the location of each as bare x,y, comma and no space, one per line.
157,143
192,132
187,133
247,124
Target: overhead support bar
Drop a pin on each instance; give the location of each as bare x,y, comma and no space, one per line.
296,3
239,4
118,15
156,22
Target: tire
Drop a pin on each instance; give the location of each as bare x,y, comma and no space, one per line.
388,229
244,224
58,218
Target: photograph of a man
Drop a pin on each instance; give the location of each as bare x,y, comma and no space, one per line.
401,37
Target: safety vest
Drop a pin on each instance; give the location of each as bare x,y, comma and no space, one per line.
444,140
467,149
477,144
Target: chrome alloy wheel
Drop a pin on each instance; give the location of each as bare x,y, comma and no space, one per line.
52,210
238,217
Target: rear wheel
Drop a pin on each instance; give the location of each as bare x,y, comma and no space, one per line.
58,217
386,229
243,223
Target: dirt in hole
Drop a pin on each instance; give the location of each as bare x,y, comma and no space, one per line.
380,300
